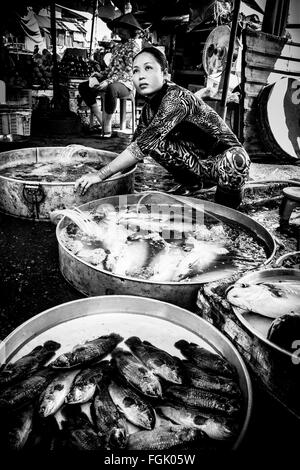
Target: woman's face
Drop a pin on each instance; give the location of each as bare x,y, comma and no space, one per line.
148,76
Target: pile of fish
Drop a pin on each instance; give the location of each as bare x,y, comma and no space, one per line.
156,247
60,170
104,395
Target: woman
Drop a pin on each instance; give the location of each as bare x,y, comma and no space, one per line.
182,133
118,81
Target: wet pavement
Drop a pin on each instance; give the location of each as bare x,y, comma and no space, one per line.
31,281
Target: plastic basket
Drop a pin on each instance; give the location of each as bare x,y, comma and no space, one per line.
15,122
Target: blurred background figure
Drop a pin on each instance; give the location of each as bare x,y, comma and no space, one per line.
116,80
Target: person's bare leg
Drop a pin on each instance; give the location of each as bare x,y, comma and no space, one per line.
96,111
107,120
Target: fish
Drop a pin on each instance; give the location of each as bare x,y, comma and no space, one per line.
215,427
134,408
206,360
197,398
24,392
166,438
136,374
77,431
110,423
18,428
90,351
268,299
92,256
164,264
55,393
130,258
199,258
210,382
159,361
28,364
84,385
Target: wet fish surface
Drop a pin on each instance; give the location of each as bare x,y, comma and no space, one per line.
136,374
56,392
28,364
268,299
134,408
216,427
205,359
110,423
210,382
195,397
157,360
90,351
84,385
24,392
166,438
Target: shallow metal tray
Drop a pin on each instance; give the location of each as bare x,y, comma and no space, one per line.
158,322
258,324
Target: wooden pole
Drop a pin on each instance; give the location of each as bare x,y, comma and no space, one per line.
235,17
95,9
54,55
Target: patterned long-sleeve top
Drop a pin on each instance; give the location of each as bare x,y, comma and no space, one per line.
120,67
179,130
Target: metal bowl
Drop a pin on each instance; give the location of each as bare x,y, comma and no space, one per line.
259,325
35,199
289,260
159,322
93,281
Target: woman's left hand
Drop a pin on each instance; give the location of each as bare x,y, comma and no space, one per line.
83,183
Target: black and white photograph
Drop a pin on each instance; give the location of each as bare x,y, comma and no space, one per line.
150,230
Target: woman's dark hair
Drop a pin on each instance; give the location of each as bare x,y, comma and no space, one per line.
157,54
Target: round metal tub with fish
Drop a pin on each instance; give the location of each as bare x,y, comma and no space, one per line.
167,327
266,303
90,277
36,181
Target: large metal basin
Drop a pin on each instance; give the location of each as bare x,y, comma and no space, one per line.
92,281
35,200
159,322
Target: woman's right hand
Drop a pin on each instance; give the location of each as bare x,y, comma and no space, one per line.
84,182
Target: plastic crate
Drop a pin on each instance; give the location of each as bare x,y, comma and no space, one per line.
15,122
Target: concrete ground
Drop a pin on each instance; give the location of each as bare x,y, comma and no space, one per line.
31,282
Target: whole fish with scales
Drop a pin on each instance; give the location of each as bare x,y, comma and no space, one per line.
135,408
216,427
88,352
136,374
109,421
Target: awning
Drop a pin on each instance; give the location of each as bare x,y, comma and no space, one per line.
30,27
78,37
43,21
70,26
